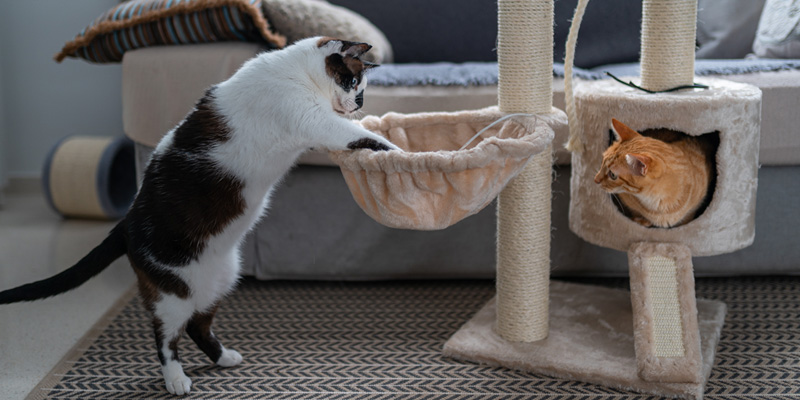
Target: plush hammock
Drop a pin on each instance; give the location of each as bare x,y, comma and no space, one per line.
453,164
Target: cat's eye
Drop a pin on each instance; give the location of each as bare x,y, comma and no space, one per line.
354,82
612,175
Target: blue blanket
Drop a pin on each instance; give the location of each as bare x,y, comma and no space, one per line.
485,73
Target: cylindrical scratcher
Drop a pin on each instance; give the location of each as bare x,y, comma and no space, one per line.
732,109
525,56
525,65
90,177
668,42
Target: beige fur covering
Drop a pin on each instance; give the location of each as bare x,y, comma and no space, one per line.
591,340
653,367
733,109
432,185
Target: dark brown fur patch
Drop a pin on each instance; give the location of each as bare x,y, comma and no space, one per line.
353,49
344,69
148,291
173,346
185,198
158,331
324,40
199,329
367,143
153,280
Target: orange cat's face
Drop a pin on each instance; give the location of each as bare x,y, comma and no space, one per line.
660,179
628,165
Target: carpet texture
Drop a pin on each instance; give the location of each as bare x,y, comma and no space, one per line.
383,340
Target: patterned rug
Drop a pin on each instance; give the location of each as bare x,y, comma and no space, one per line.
383,340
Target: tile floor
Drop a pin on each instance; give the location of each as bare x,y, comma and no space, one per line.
36,243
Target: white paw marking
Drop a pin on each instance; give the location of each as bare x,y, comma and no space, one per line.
177,382
229,358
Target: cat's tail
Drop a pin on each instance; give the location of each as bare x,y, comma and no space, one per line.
113,247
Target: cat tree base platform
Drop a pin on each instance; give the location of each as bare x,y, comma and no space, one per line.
591,340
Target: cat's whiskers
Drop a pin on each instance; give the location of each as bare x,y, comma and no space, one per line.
357,114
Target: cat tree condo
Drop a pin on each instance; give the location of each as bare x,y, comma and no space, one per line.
670,345
656,339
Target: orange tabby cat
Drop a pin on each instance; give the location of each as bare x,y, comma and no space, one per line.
661,183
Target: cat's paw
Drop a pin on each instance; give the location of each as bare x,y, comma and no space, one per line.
179,385
177,382
643,222
369,143
229,358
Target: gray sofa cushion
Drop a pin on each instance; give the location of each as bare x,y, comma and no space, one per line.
726,29
778,33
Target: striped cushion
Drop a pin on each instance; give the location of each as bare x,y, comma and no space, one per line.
141,23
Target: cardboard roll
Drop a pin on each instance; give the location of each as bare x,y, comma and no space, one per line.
90,177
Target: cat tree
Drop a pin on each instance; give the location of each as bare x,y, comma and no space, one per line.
656,339
667,336
671,338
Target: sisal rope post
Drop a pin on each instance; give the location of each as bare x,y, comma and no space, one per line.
525,72
668,42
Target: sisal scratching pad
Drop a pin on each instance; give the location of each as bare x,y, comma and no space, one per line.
591,340
665,313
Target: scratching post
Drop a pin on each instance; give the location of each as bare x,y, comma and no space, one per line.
662,286
666,332
668,41
525,65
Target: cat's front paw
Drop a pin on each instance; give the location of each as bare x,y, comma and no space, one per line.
643,222
368,143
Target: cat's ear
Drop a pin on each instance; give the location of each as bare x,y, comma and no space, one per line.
638,164
623,131
354,49
344,47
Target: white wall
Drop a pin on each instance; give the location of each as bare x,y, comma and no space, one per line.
3,179
43,101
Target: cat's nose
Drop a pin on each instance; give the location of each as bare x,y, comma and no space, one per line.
360,100
598,178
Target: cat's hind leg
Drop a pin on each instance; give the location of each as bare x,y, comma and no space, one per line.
171,315
199,329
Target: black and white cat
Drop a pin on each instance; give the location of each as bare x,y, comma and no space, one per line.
209,181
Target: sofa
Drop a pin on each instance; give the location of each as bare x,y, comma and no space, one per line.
444,60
